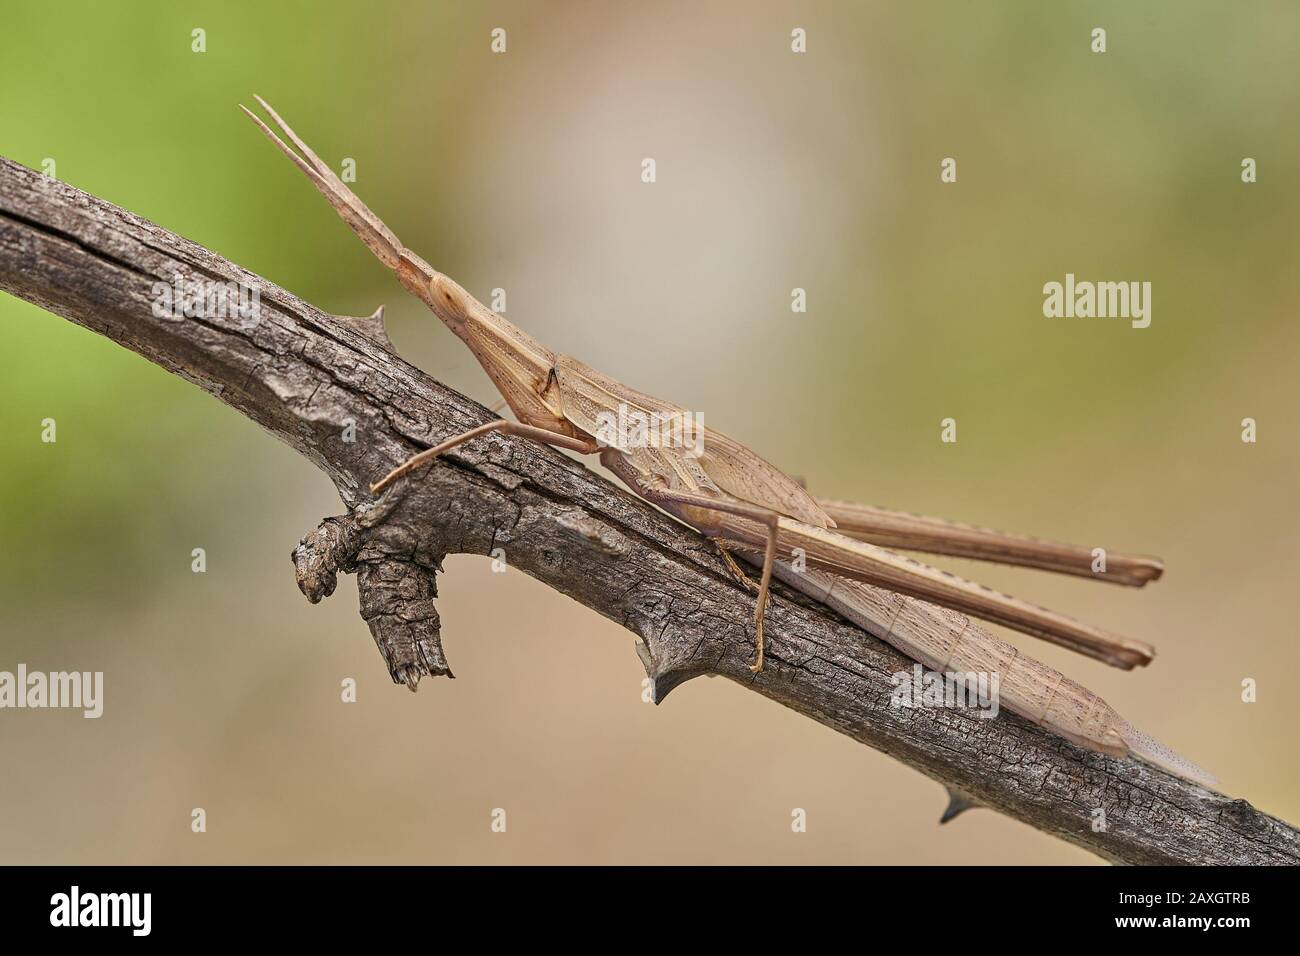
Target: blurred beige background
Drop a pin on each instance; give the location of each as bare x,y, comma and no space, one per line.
775,171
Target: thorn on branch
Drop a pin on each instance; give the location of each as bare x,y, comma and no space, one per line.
665,675
958,803
372,327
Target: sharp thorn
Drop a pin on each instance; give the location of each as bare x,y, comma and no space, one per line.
958,803
372,327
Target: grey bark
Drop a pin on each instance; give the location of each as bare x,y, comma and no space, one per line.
303,375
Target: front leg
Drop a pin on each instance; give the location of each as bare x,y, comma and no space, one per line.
584,446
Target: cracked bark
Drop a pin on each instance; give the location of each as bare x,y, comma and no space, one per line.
304,375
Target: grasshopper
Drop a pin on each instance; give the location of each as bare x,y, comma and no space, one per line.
749,507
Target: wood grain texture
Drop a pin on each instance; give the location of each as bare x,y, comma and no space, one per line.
302,374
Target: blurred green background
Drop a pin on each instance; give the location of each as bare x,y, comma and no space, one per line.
775,171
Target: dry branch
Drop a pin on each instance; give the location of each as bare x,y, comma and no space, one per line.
304,375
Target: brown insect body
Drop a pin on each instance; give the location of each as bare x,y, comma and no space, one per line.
728,492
